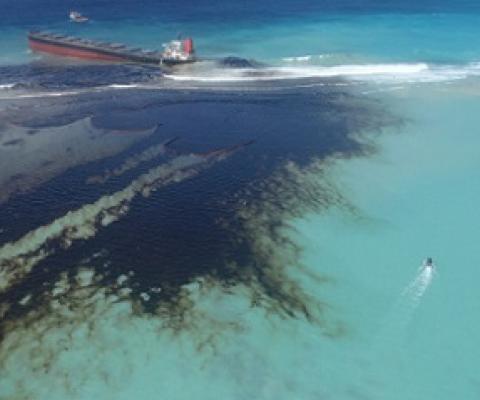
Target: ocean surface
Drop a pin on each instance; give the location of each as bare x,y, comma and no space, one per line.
251,226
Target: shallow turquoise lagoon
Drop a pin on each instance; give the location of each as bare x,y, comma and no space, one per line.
416,198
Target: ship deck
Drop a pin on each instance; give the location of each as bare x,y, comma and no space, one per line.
69,46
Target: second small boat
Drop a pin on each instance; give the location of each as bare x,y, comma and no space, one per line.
75,16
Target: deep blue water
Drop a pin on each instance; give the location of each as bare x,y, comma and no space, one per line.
31,12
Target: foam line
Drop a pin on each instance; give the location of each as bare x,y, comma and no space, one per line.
295,72
297,58
40,94
388,73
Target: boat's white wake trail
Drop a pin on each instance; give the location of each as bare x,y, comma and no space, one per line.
393,331
389,342
415,290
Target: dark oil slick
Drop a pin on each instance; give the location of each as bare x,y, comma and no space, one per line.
224,224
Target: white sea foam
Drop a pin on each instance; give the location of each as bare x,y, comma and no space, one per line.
305,58
383,73
295,72
294,68
124,86
298,58
23,95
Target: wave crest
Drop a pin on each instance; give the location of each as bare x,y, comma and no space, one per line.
383,73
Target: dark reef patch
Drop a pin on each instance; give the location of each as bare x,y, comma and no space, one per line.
227,224
237,62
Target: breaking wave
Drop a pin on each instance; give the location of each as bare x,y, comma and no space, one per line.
387,73
306,58
297,72
54,81
298,58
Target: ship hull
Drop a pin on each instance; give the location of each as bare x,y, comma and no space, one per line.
72,52
62,46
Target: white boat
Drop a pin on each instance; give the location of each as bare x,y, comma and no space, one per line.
178,51
428,264
75,16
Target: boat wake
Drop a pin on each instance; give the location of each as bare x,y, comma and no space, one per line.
415,290
388,343
403,311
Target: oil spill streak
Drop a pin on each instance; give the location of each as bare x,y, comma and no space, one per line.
18,258
132,162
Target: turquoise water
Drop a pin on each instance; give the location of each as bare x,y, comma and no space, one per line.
149,249
417,197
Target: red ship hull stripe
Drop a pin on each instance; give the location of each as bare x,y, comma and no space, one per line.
72,52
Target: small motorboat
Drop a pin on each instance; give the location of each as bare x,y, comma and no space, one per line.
75,16
428,263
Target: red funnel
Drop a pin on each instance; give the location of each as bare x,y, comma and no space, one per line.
188,46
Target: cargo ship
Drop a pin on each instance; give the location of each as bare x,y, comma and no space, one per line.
175,52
